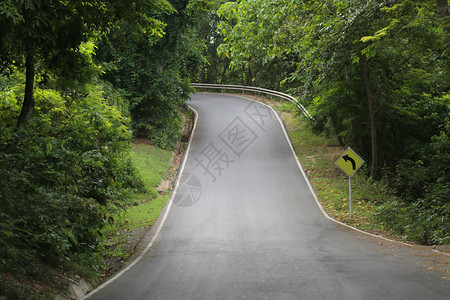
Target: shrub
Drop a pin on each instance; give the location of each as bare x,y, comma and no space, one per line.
66,165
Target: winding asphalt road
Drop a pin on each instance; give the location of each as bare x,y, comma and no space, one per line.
244,225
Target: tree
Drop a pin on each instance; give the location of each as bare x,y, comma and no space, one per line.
50,32
154,72
349,56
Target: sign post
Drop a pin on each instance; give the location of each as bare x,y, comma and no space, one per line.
350,194
349,162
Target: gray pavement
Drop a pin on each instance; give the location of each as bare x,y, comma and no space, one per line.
244,225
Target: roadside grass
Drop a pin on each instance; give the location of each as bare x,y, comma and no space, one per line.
151,162
126,227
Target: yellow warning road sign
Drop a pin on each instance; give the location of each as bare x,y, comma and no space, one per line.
349,162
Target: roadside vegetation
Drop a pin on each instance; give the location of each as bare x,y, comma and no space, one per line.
127,226
80,82
376,204
318,154
125,220
374,75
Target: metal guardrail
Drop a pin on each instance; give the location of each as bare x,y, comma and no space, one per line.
255,90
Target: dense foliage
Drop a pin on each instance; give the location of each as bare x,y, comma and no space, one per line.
375,73
153,72
79,80
50,32
72,157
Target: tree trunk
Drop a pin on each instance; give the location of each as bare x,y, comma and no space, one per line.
223,77
365,74
28,100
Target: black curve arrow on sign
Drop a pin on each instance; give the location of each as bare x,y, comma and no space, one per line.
348,158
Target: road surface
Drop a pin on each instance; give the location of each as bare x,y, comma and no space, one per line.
244,225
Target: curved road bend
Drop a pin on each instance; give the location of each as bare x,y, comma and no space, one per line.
244,225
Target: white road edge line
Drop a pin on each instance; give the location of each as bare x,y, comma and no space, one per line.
311,189
169,205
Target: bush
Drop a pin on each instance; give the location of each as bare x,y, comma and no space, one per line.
422,180
420,222
66,165
424,214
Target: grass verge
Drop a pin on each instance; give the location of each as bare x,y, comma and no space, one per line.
127,227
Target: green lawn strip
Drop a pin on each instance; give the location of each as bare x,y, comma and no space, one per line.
126,227
152,163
